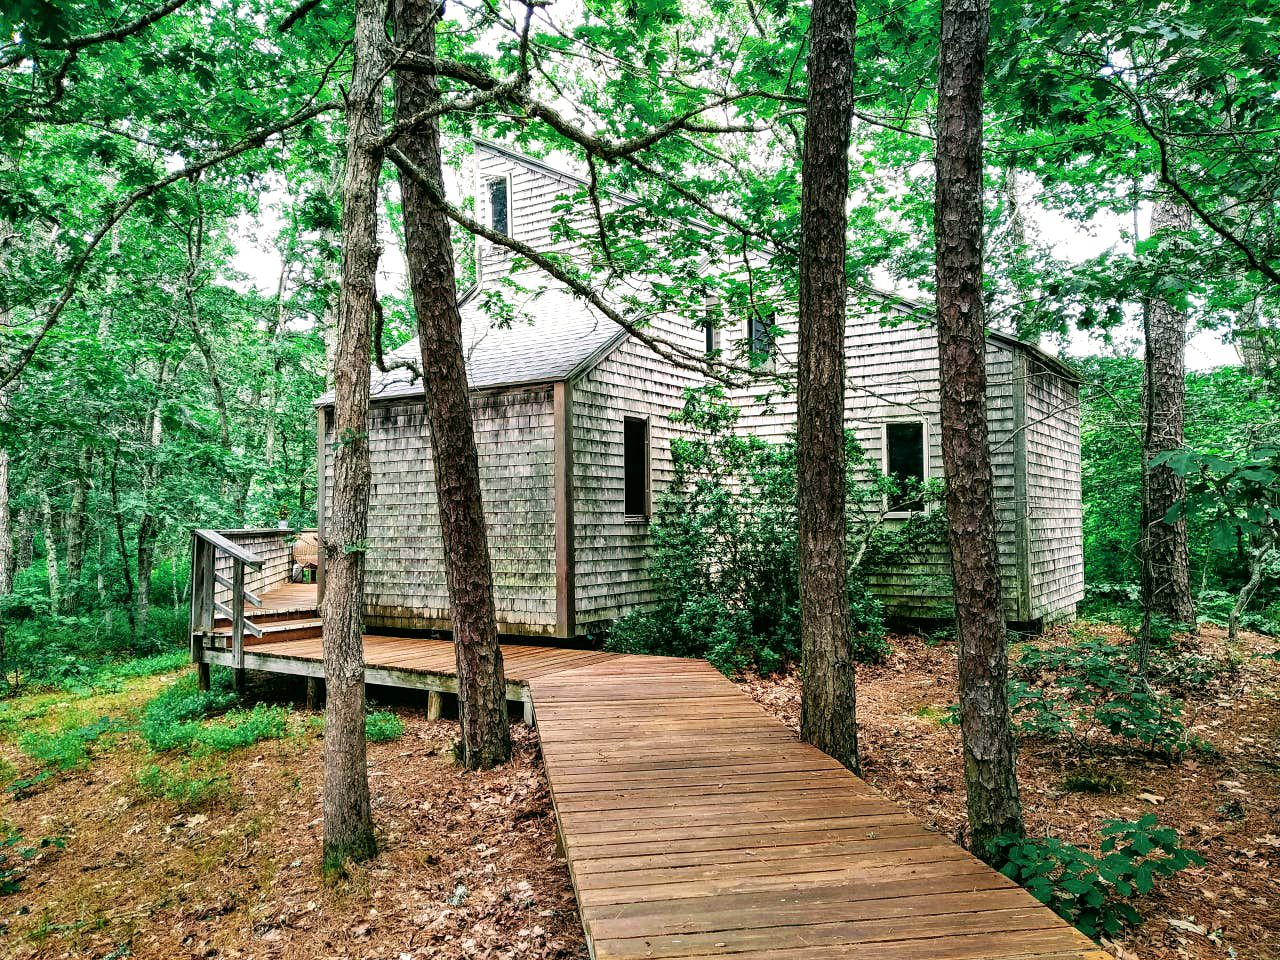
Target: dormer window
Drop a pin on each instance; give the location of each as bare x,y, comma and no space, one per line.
498,192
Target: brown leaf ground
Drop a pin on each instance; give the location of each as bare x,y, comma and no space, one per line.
469,867
1226,805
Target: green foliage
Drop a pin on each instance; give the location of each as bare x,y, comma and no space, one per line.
1066,690
191,785
1093,892
1094,781
14,859
725,549
383,725
66,749
172,718
237,729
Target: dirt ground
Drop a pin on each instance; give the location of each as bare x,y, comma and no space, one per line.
1226,805
469,867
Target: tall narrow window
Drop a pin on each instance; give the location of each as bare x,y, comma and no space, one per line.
905,462
635,468
760,342
711,326
499,206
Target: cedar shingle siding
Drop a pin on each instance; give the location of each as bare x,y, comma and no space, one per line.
551,338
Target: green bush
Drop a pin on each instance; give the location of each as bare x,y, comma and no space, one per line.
1065,690
186,787
383,725
172,718
237,729
724,559
1093,891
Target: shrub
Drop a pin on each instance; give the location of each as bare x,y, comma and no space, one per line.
1093,891
172,718
242,728
1063,690
1094,781
724,559
184,787
383,725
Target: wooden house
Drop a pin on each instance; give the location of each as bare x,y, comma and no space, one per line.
573,428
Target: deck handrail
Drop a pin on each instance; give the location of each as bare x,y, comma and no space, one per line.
230,548
205,606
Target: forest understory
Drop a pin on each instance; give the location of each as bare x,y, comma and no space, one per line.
217,855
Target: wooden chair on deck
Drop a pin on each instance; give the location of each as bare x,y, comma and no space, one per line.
306,558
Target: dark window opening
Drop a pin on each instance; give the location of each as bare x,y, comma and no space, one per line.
499,212
711,327
635,467
905,463
760,337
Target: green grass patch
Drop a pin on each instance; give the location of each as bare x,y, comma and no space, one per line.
933,713
192,785
1094,781
66,749
383,725
172,719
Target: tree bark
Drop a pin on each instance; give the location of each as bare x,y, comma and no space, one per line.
148,531
486,734
348,816
989,753
76,522
828,710
50,552
1167,579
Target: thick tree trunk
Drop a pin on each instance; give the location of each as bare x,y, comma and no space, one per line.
50,552
348,817
1167,579
482,705
989,752
828,711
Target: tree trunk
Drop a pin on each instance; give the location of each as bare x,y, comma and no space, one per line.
148,531
989,753
348,816
486,735
828,711
76,521
1259,553
50,552
24,549
1167,579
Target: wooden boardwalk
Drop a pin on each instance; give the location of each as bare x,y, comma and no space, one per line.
697,826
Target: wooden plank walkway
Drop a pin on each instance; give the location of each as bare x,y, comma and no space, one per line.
696,826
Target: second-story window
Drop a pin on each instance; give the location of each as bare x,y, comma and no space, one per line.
711,326
499,205
760,342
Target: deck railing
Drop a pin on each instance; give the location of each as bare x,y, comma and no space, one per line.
208,547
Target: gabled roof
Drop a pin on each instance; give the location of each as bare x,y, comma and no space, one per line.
538,336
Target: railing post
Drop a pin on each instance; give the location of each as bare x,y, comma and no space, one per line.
202,586
237,621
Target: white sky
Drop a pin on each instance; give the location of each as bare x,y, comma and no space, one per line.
259,262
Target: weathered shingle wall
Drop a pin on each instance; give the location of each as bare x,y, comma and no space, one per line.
1054,518
892,372
405,573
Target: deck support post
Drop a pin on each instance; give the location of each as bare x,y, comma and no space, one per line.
435,704
314,694
528,711
202,676
238,680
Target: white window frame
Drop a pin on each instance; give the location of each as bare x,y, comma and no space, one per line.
884,457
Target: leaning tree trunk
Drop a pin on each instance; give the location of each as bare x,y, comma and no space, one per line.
828,710
989,753
486,736
348,816
1166,580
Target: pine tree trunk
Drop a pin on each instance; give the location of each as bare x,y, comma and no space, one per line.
989,753
486,735
1167,583
50,552
828,712
348,817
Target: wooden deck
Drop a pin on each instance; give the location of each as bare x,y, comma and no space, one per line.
697,826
